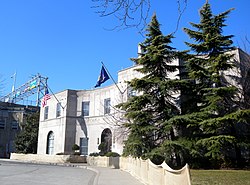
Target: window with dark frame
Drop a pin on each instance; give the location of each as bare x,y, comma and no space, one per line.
46,112
85,108
14,125
58,109
131,92
107,106
84,146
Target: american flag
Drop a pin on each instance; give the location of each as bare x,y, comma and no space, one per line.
45,98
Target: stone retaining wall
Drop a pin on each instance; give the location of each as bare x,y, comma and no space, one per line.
48,158
113,162
145,170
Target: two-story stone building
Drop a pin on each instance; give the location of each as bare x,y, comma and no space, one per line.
89,117
86,118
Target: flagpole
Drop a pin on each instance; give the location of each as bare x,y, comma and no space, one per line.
47,87
112,78
56,97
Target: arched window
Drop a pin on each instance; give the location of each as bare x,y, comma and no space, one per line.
50,143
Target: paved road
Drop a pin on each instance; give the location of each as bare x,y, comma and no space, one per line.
22,173
37,174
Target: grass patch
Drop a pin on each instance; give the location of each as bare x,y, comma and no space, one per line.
220,177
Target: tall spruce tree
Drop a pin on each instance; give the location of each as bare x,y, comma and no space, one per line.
155,103
215,125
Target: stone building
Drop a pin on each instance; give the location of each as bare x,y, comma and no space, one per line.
89,117
12,117
86,118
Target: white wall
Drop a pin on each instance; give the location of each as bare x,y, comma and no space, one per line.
71,125
56,125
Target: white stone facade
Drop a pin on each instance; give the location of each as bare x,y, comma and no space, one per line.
72,127
58,133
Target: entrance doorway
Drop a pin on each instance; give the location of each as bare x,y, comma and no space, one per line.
106,141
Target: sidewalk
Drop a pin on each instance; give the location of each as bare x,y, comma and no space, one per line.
109,176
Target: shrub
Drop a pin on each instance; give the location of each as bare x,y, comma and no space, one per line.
112,154
103,148
157,159
60,153
95,154
75,147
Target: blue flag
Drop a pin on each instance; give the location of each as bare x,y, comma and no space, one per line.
102,78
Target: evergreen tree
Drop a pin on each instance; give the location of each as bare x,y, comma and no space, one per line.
26,140
155,102
214,125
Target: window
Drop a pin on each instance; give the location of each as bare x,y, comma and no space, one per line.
84,146
58,109
85,108
14,125
50,143
2,124
46,112
131,92
107,106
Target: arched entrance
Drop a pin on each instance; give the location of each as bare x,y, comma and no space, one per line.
106,141
50,143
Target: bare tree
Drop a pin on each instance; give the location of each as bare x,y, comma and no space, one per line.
131,13
246,44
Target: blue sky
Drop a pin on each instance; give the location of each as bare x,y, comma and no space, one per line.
66,40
